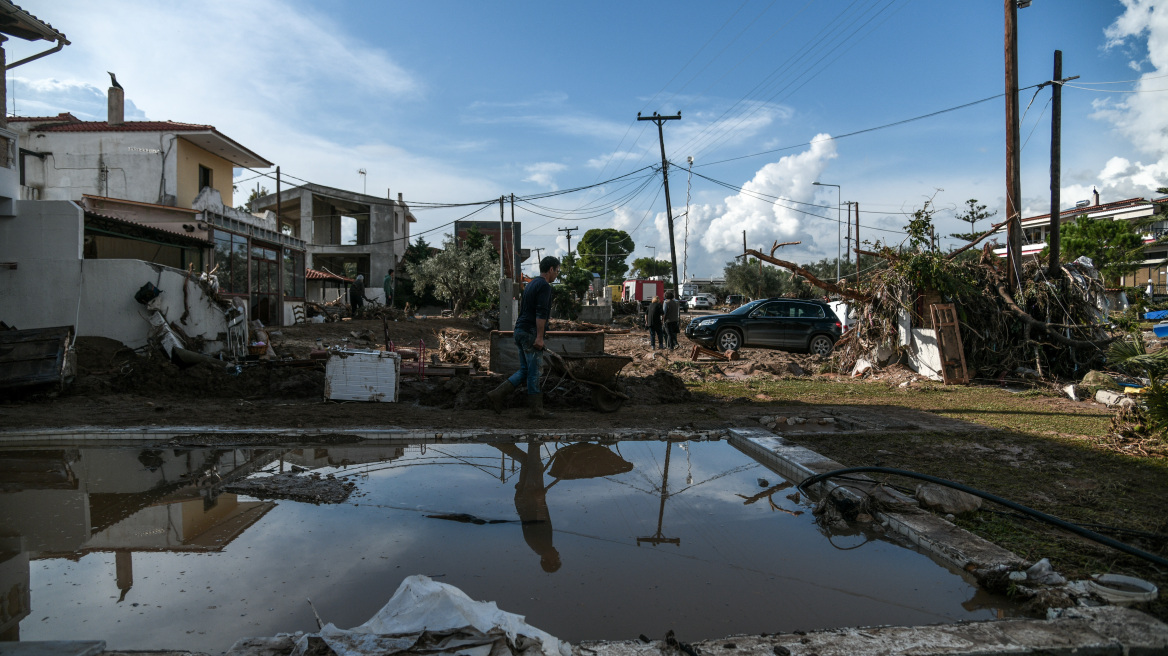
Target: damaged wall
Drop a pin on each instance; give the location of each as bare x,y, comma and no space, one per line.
51,285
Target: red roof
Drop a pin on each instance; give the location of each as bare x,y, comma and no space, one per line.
63,116
129,126
313,274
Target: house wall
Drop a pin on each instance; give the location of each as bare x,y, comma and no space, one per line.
44,241
131,165
53,286
189,157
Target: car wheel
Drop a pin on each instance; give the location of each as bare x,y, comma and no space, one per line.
820,345
728,339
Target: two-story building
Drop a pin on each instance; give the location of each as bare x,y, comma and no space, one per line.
1154,270
347,233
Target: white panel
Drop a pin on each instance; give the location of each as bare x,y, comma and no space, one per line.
354,375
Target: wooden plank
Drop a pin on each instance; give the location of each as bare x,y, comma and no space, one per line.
948,330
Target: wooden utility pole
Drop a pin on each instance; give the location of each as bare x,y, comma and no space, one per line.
660,121
1054,272
514,253
277,198
1013,151
857,204
568,232
502,257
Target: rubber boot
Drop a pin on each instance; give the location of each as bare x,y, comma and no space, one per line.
535,407
498,396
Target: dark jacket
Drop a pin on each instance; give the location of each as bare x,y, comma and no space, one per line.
672,310
654,316
536,303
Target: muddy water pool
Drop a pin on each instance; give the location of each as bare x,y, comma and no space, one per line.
145,549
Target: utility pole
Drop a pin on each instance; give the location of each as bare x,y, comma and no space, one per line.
660,121
502,258
568,232
277,198
1056,155
514,253
1013,150
857,204
538,253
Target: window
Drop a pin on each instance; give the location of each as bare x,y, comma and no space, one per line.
293,273
231,262
205,177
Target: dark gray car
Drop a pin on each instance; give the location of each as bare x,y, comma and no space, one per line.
784,323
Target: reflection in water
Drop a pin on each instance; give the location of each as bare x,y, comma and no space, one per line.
140,548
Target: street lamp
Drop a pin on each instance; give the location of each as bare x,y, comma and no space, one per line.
361,172
838,223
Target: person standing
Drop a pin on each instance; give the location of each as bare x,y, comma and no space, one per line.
535,307
672,310
654,322
357,295
387,287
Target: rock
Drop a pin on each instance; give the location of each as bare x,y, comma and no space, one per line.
795,369
1097,380
1026,372
766,419
771,425
780,420
946,499
1109,398
827,420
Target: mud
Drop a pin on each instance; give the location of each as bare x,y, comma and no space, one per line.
295,486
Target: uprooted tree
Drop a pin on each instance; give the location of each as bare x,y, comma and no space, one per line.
1056,330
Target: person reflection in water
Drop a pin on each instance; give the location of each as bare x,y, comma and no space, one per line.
531,503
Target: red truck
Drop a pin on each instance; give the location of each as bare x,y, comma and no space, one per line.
643,291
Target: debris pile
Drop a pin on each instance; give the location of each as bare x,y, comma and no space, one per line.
458,347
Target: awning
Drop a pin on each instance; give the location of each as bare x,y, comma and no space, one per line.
111,225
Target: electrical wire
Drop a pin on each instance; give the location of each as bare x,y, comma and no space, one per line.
1054,521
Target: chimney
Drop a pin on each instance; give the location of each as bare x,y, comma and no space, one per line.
399,198
117,106
1095,194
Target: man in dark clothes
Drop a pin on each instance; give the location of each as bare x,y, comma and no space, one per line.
535,306
357,294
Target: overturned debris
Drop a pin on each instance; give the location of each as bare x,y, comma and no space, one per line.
294,486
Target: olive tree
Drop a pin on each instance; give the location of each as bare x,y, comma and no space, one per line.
458,273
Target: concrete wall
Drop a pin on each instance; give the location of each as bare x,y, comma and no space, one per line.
137,165
53,286
44,241
189,158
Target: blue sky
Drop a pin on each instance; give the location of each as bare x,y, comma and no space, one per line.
455,102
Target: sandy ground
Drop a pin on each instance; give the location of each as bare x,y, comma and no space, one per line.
116,387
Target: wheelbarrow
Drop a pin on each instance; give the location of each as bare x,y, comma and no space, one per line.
595,370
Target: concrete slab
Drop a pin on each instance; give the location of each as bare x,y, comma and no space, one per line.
53,648
1101,631
932,534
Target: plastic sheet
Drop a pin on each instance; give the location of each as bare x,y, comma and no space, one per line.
436,618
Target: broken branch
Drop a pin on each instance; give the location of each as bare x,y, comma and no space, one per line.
1049,329
992,230
834,289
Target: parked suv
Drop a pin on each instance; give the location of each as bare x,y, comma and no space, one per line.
702,301
783,323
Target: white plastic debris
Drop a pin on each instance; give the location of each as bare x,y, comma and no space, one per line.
1042,572
436,618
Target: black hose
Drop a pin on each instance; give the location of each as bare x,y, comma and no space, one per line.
1055,521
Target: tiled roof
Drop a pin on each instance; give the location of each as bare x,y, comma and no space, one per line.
63,116
174,235
35,25
1091,209
129,126
313,274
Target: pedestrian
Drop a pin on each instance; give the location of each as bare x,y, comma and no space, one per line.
654,322
357,295
672,310
387,287
535,306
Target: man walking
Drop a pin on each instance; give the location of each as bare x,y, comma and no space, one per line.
535,306
387,287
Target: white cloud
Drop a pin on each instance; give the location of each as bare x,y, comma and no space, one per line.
543,174
49,97
1140,117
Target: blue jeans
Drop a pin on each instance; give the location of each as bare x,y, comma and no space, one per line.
530,361
656,337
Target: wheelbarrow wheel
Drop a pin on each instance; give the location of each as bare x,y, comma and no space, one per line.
605,401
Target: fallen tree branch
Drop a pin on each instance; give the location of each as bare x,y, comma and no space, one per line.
834,289
971,244
1049,329
778,245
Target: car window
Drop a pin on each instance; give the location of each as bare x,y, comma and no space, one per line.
807,310
774,310
743,310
